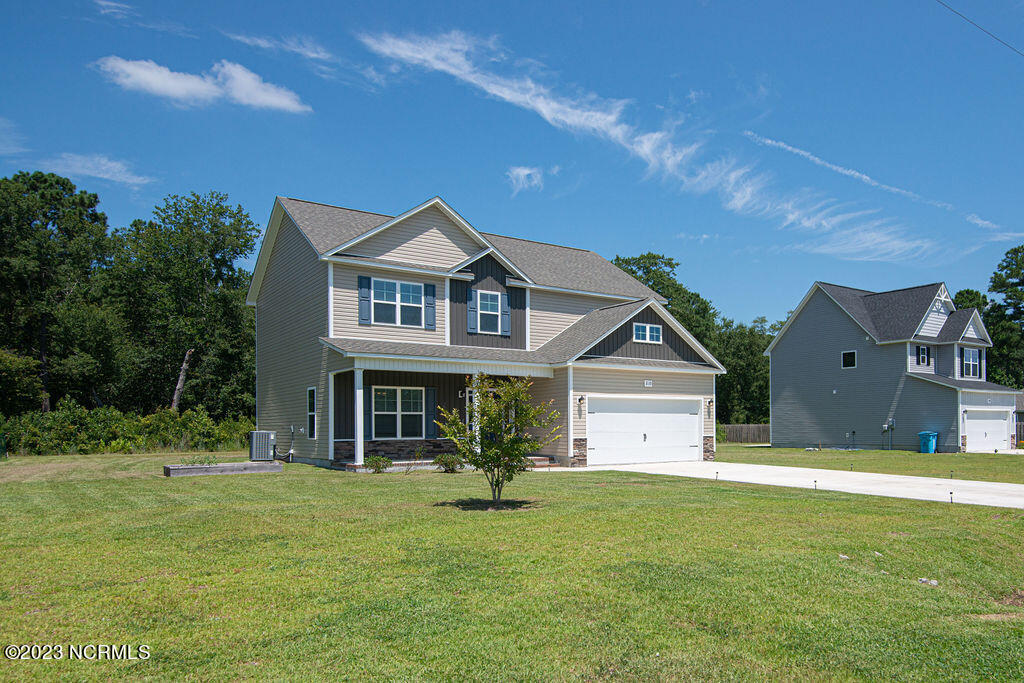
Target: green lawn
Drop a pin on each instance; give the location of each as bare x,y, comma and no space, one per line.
978,466
320,574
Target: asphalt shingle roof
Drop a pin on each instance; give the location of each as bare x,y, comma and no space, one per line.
966,384
887,316
955,324
551,265
572,341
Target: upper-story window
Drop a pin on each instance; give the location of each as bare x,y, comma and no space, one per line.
849,360
397,303
646,333
924,355
489,312
970,362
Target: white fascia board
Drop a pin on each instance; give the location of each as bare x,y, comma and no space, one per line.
926,378
471,259
800,307
565,290
277,214
979,324
351,261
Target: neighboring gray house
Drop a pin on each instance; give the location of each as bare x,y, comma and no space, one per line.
367,324
853,368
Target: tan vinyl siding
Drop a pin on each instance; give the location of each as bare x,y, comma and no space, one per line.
427,238
291,314
346,307
592,381
555,389
552,312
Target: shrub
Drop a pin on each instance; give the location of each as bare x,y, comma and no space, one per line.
449,463
73,429
720,432
378,463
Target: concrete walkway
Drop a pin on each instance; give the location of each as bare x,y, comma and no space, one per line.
891,485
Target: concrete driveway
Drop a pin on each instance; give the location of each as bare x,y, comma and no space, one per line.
892,485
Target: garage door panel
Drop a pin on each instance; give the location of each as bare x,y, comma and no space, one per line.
987,430
616,430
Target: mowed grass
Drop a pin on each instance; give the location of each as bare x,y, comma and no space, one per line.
320,574
978,466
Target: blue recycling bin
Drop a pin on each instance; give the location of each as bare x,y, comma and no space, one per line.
928,440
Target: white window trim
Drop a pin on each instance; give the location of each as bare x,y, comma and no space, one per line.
647,332
398,303
398,414
480,312
967,364
927,355
850,367
309,414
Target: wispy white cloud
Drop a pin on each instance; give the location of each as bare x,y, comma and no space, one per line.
842,170
11,140
525,178
129,15
225,80
303,46
95,166
700,237
981,222
740,187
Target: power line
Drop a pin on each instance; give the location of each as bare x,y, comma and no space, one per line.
980,28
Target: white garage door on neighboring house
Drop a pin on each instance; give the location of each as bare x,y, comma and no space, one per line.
987,430
623,430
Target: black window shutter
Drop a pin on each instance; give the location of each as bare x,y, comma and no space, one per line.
429,307
367,413
471,311
961,362
928,355
917,355
364,300
430,411
506,316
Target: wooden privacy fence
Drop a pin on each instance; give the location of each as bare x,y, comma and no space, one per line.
748,433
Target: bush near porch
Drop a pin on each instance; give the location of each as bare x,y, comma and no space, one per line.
314,573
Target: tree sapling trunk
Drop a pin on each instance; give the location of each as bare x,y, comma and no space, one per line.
181,380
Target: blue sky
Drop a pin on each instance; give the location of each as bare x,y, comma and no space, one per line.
763,145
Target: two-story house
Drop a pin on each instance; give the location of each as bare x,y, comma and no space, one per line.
853,368
368,324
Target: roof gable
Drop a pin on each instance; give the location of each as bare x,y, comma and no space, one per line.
620,342
429,237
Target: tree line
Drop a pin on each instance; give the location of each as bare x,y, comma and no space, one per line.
143,317
743,393
106,316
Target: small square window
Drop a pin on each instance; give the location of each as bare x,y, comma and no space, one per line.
849,359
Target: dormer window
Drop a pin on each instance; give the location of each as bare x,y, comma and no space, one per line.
924,355
646,333
970,362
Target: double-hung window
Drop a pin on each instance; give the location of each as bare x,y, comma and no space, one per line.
970,362
311,413
646,333
397,303
924,355
398,413
488,312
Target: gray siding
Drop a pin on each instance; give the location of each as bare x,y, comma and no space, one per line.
620,342
944,357
448,387
291,313
814,400
489,275
912,365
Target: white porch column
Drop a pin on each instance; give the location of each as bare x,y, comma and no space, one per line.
357,382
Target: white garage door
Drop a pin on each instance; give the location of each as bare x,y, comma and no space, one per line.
987,430
638,430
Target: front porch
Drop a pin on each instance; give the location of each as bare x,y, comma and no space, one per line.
392,413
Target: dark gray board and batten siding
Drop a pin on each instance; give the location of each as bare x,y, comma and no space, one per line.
447,387
620,344
489,275
815,401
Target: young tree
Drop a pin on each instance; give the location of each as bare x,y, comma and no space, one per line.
505,426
